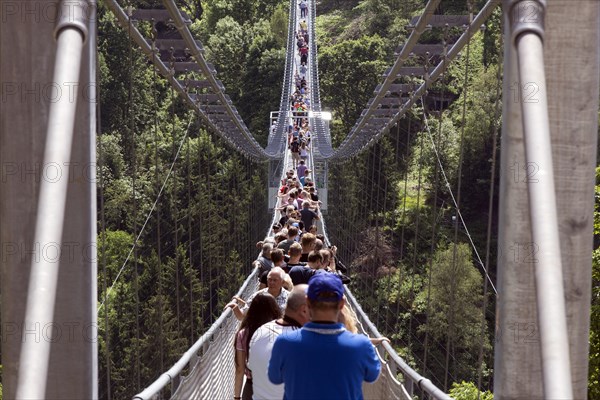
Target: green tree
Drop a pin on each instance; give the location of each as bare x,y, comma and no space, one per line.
468,391
226,48
262,90
348,72
594,355
241,11
279,25
380,15
453,307
261,82
219,9
203,214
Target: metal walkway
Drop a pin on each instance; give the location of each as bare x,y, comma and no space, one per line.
206,370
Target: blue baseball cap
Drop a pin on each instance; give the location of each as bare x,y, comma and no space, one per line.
325,282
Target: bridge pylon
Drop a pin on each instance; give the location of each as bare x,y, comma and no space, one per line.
48,199
544,259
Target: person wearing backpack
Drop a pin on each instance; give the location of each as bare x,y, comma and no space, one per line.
295,149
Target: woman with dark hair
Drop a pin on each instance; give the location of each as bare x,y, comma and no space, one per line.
263,309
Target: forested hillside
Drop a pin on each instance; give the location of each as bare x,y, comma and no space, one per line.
417,270
391,210
397,225
193,248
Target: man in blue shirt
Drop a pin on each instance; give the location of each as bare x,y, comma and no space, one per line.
304,359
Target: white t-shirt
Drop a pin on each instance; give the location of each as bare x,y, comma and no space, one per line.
261,346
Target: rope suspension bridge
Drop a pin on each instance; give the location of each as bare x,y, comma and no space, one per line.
537,301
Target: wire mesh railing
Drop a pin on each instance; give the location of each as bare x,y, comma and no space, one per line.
397,380
206,370
207,362
321,134
277,138
366,131
221,117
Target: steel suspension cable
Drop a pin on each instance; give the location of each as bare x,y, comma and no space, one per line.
353,224
102,234
343,223
250,214
211,260
449,338
460,217
435,200
149,215
190,244
355,221
490,212
407,166
238,240
388,270
403,218
368,217
158,207
201,172
378,239
175,212
138,379
416,241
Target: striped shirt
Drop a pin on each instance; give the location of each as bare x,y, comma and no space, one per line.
281,299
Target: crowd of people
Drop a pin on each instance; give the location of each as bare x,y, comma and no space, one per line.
300,341
298,337
299,133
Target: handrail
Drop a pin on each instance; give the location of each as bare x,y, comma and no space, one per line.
234,138
284,106
394,361
355,143
409,374
71,34
321,134
281,127
208,74
175,371
527,34
402,57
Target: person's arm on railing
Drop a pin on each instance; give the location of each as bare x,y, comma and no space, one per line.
235,307
378,340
